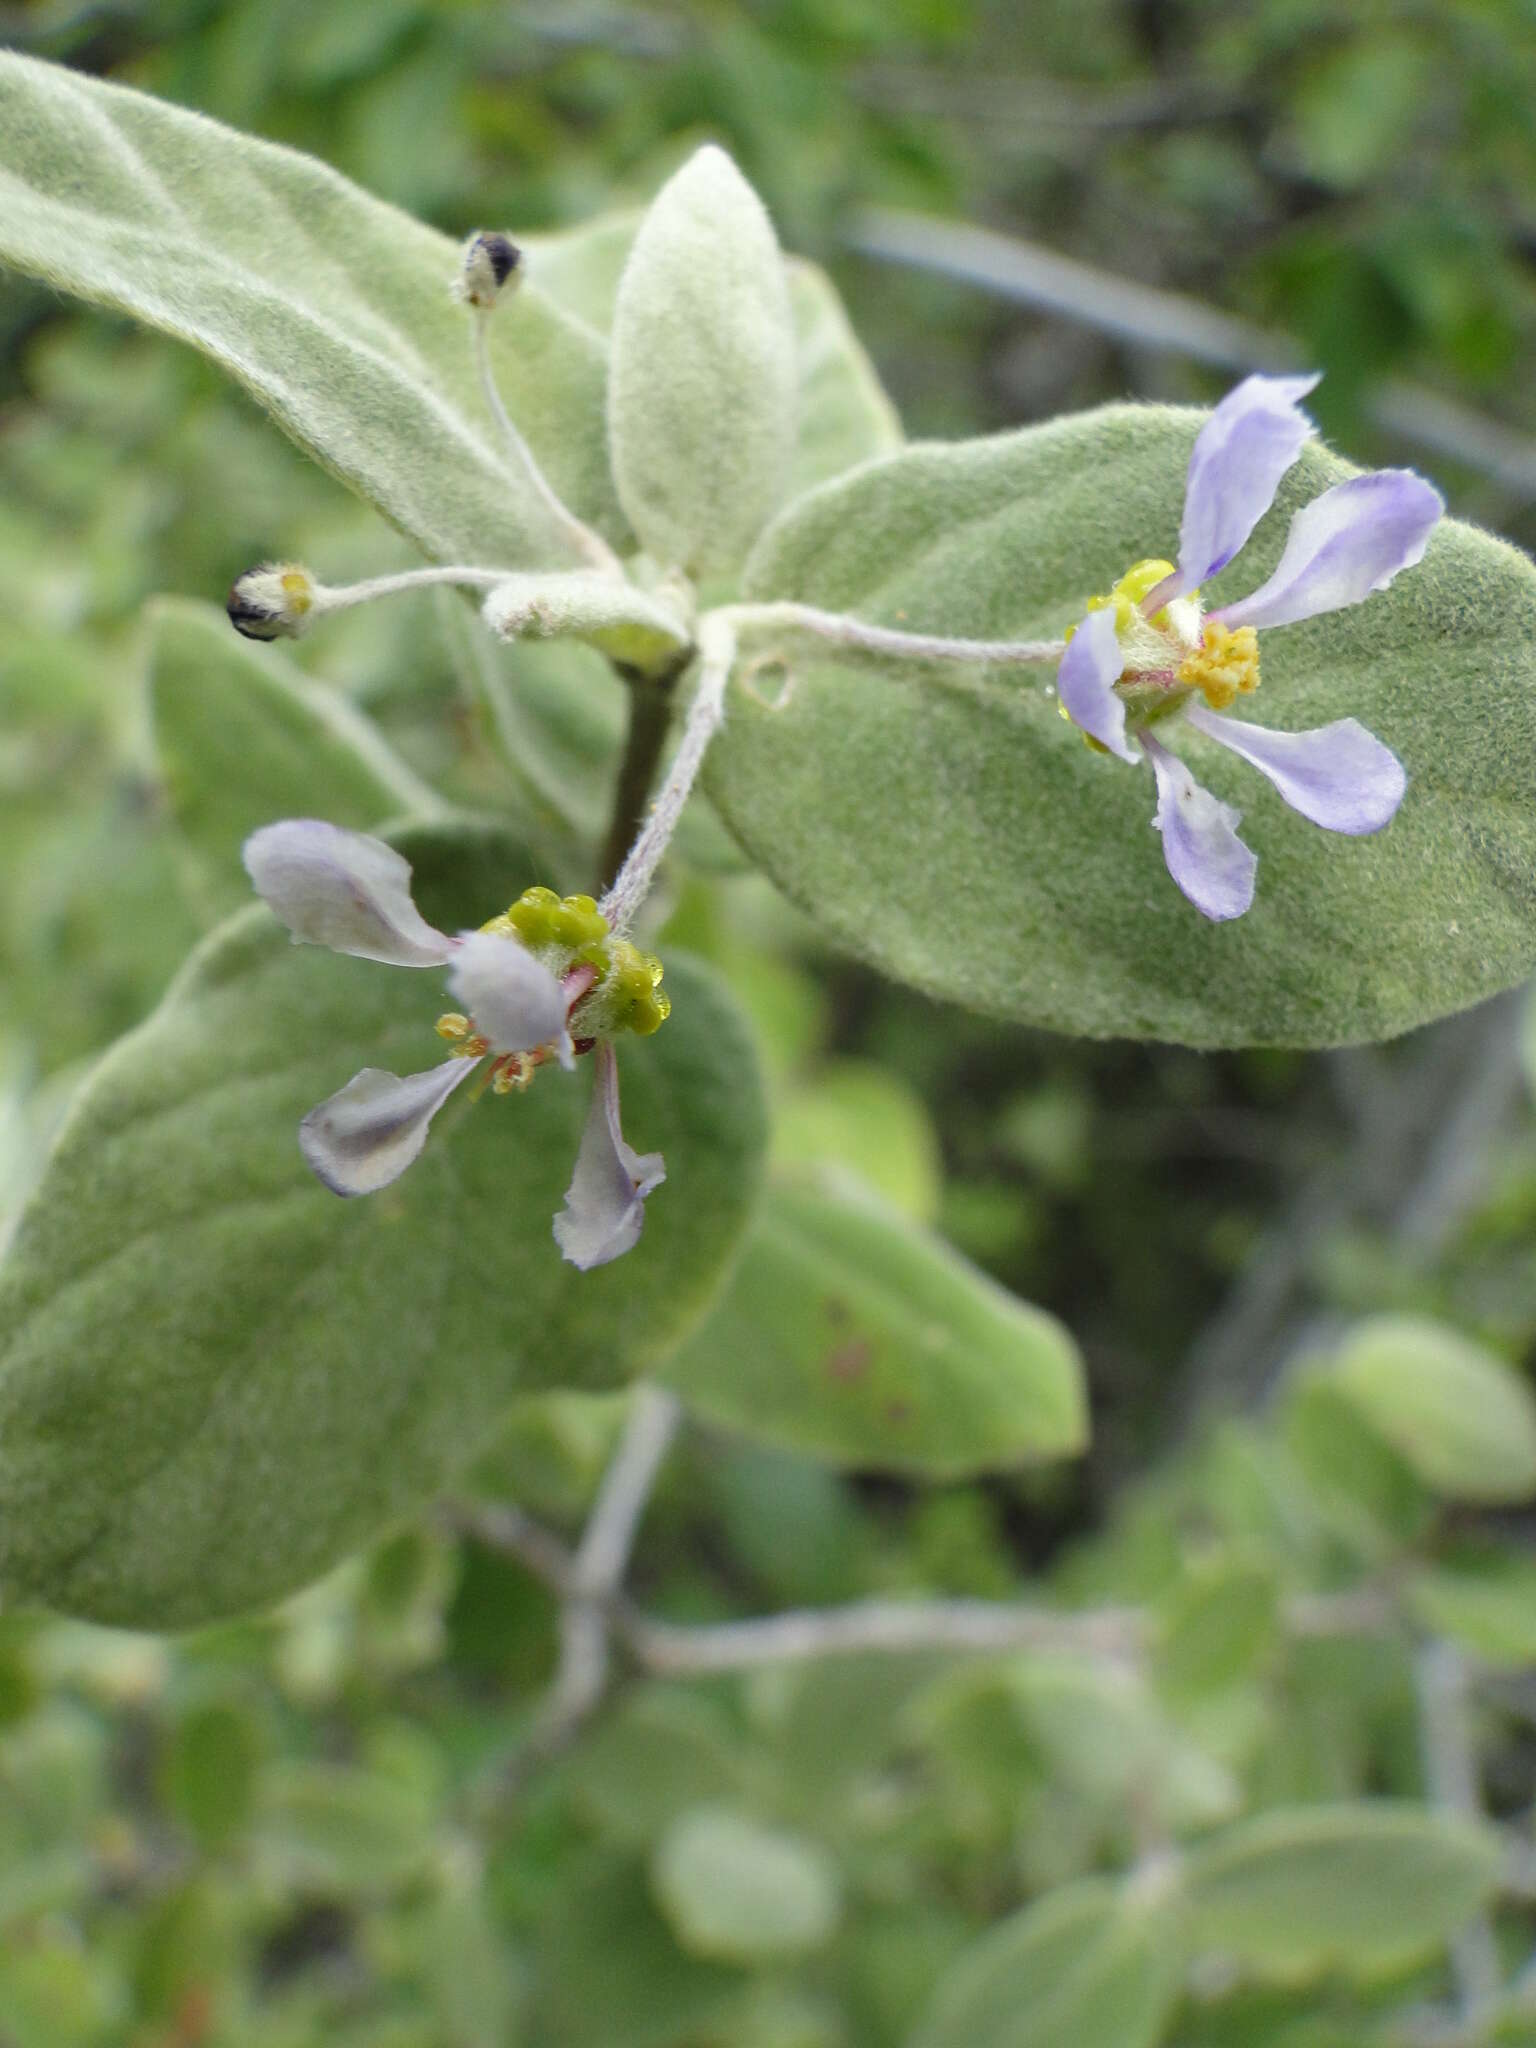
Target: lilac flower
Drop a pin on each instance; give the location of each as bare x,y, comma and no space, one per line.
1148,655
543,982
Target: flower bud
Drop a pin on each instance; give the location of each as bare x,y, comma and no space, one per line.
274,602
492,264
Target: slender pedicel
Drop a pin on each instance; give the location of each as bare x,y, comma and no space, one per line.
846,631
492,270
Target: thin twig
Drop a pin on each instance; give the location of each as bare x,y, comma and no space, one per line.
669,1649
1450,1779
595,1573
889,1626
1149,317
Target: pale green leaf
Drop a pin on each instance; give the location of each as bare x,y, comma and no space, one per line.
216,1378
949,827
702,397
1364,1888
1216,1624
1459,1416
331,308
1365,1492
738,1891
243,736
853,1335
1090,1966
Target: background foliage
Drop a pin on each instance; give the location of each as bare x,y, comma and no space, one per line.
1318,1520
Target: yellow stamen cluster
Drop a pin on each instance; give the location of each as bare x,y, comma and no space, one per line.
626,996
1225,666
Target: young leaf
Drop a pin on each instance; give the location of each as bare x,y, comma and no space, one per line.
845,417
1090,1966
243,736
1461,1419
331,308
856,1336
1362,1888
701,401
215,1377
949,827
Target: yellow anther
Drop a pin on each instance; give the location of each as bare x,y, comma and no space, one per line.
452,1024
1224,666
501,925
511,1073
299,589
472,1048
633,995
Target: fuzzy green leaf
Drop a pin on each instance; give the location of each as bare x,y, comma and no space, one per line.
950,828
1363,1888
243,736
331,308
702,392
215,1377
1085,1967
856,1336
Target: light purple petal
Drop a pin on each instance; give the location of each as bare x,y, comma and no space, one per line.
605,1202
1345,544
343,890
1200,843
1240,455
1086,682
514,999
367,1134
1340,776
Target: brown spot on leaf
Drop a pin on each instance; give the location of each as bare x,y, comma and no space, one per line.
850,1361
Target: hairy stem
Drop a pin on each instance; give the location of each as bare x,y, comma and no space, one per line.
650,715
631,885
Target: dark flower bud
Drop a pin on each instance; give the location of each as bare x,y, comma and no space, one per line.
492,264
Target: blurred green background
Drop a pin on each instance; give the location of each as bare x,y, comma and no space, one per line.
299,1829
